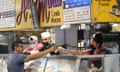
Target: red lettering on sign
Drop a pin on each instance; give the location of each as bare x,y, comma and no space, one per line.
25,4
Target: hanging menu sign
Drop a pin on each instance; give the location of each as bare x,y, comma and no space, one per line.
76,11
7,13
51,13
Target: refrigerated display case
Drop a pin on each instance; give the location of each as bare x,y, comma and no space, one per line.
68,63
3,63
56,64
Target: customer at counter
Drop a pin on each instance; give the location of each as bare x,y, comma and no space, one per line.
17,59
47,43
96,42
34,46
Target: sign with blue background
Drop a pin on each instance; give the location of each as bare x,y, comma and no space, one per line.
77,11
76,3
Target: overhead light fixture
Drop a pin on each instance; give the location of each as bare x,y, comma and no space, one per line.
34,0
65,26
1,35
115,25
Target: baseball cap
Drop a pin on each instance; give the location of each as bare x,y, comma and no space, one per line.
33,38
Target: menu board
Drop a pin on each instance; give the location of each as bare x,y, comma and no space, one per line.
7,13
76,11
51,13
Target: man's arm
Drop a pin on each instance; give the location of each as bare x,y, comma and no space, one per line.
74,52
40,54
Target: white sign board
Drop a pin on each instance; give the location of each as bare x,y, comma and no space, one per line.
7,13
76,11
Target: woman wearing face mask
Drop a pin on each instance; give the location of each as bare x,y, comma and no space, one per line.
34,45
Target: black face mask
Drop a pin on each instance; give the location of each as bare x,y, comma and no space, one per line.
45,43
91,47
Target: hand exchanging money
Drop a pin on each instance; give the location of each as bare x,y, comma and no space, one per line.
61,49
34,52
53,48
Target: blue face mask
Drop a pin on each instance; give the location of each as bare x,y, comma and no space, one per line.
33,45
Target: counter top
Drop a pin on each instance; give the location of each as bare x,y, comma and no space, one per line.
72,56
80,56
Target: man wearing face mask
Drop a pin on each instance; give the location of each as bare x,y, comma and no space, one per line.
47,43
34,45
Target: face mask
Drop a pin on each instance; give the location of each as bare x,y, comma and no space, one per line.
46,43
33,46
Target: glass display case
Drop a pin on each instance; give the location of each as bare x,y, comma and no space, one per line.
55,64
75,63
3,63
111,63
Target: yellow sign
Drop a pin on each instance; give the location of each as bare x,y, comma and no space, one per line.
106,11
51,13
23,16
